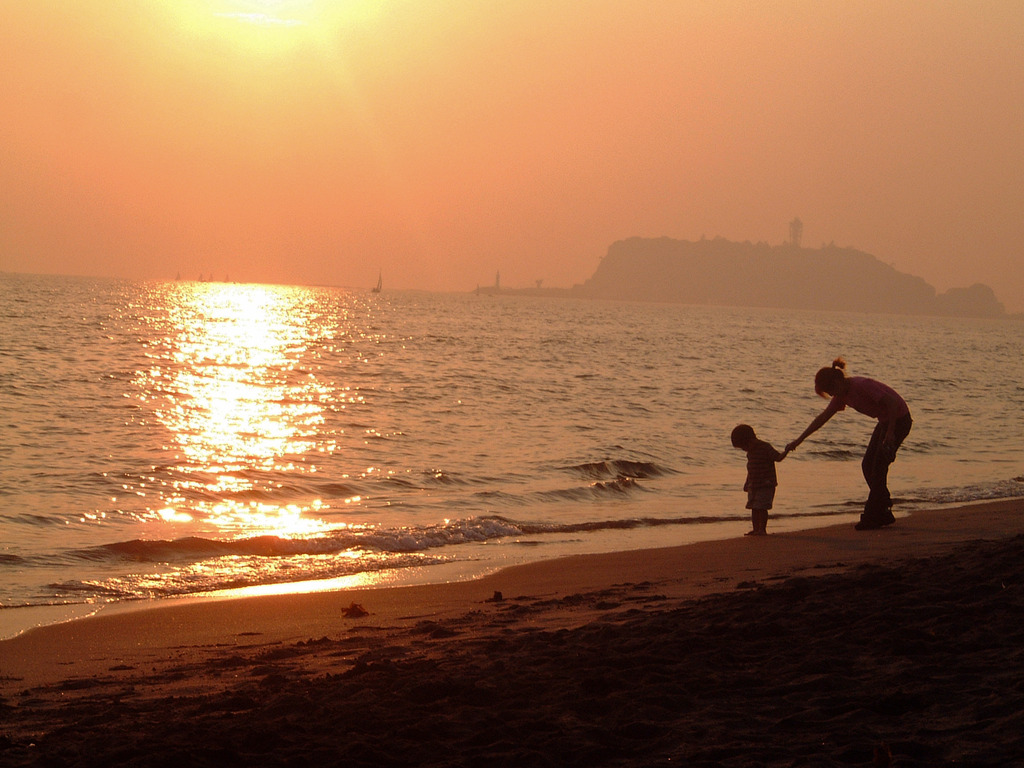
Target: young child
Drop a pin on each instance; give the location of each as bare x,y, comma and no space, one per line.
761,478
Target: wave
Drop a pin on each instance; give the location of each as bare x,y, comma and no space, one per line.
618,487
392,541
386,541
624,524
31,519
273,486
836,454
477,529
204,579
194,565
618,468
1006,489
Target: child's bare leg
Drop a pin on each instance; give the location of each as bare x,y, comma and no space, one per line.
758,522
760,517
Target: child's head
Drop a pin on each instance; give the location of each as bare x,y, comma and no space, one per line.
827,381
742,436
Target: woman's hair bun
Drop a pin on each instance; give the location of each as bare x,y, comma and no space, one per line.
839,363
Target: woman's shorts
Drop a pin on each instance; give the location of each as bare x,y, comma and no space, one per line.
761,497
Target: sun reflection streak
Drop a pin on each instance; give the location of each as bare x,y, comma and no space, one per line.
226,384
281,520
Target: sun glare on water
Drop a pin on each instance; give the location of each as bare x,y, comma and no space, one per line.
226,388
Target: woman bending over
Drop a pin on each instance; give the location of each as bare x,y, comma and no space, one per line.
879,401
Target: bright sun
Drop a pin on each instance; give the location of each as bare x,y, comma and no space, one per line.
269,27
268,13
265,28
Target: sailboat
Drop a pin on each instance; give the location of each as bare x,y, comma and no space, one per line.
379,285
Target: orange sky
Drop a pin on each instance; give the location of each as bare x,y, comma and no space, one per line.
317,142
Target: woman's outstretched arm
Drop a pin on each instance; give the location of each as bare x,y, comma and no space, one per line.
814,426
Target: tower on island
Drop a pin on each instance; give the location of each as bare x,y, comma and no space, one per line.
796,231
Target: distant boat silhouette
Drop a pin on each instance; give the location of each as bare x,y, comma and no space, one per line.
379,285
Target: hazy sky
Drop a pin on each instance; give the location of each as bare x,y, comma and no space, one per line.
441,141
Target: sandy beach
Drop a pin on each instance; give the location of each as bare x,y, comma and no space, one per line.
903,647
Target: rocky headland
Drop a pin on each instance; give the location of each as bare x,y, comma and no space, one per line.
723,272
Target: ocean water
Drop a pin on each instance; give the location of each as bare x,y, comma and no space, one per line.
164,439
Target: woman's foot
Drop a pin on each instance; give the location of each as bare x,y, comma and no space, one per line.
868,524
875,519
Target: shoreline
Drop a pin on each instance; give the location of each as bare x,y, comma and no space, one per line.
15,621
894,647
83,644
825,646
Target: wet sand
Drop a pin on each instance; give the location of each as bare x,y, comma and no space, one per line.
901,647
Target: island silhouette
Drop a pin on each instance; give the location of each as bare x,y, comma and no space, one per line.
723,272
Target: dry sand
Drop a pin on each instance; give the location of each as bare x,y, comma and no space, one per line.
901,647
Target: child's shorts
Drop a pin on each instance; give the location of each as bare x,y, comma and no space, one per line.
761,497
